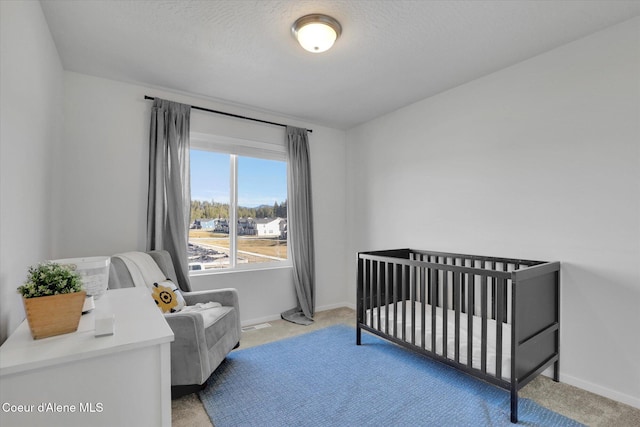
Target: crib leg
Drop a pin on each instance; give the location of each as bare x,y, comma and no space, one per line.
556,371
514,406
358,335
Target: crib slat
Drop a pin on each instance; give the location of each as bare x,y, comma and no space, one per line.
503,318
371,280
445,301
434,286
395,300
429,277
412,282
493,292
387,290
362,306
470,312
436,297
365,281
423,298
456,305
404,305
463,293
499,315
483,301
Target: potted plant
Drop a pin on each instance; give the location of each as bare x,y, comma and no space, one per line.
53,299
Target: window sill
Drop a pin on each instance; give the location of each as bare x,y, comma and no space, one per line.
244,269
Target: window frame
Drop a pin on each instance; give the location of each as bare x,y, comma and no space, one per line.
238,147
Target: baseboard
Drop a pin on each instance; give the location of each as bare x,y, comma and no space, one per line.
601,391
273,317
257,320
338,305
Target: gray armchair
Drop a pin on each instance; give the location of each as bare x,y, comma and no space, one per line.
202,339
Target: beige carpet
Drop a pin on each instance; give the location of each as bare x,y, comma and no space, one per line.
582,406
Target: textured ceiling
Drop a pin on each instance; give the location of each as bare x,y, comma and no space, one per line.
390,54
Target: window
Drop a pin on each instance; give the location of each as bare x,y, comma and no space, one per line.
238,208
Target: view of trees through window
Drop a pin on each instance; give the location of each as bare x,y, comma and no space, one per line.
258,227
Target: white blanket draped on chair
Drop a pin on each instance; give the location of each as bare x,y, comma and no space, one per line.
143,269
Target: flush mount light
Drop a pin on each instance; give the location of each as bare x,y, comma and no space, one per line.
316,33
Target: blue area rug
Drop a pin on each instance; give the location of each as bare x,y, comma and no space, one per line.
324,379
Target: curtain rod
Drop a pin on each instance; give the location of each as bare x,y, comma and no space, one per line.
231,115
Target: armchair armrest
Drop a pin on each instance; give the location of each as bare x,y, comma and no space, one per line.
228,297
189,332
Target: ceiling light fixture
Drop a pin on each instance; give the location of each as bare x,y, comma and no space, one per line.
316,32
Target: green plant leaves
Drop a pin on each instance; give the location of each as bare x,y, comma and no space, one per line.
50,279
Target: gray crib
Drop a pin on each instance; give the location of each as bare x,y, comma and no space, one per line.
497,319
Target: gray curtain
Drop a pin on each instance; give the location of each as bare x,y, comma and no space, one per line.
300,226
169,203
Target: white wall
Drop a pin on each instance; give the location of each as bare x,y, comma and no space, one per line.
101,186
541,161
30,129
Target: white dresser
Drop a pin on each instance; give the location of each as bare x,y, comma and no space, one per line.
78,379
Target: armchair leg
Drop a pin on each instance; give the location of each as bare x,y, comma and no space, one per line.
182,390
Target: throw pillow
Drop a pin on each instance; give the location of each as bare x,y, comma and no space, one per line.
167,296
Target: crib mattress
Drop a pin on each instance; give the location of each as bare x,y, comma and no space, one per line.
395,327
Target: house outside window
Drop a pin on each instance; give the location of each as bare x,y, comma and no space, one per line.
238,205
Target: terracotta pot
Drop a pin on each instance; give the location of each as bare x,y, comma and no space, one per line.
54,314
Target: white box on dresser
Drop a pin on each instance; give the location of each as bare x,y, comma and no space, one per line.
78,379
